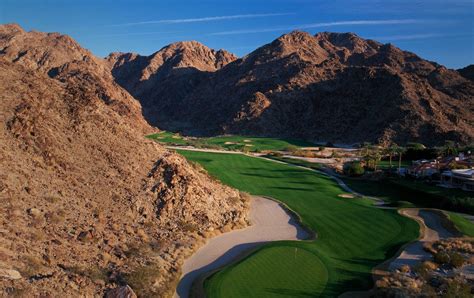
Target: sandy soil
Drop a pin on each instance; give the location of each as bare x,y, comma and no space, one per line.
433,231
270,222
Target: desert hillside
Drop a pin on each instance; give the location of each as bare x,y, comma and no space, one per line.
87,203
335,87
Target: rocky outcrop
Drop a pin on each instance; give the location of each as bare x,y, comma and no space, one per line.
121,292
88,203
9,274
333,87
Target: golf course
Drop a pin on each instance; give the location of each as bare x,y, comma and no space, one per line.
233,142
352,235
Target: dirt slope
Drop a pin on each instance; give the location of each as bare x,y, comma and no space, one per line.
334,87
86,202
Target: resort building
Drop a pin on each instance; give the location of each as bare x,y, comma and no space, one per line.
463,179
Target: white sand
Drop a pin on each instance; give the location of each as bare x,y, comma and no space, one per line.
414,252
270,222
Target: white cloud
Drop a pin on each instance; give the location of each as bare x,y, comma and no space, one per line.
326,24
409,36
204,19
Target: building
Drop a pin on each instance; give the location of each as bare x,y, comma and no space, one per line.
423,168
463,179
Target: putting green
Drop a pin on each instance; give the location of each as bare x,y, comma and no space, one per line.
250,271
352,236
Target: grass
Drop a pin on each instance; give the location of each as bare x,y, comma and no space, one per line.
400,192
249,272
353,237
385,164
297,162
463,224
235,143
168,138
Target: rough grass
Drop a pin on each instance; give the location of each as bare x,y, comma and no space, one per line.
231,142
353,237
420,194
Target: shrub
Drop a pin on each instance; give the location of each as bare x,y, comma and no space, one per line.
353,169
456,260
142,279
457,289
32,266
276,154
291,148
187,226
441,258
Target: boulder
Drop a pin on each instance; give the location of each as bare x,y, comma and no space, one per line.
121,292
9,274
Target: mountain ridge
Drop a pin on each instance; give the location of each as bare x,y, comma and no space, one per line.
300,84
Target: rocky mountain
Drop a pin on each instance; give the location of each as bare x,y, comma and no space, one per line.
467,72
167,74
87,202
333,87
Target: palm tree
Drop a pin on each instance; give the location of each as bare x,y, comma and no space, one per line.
400,151
391,151
449,148
366,146
376,157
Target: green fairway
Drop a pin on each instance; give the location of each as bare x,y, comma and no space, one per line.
168,138
238,143
463,224
352,236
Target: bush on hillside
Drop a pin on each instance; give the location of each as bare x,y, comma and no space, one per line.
354,169
291,148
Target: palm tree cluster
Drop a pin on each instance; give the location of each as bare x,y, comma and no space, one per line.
372,154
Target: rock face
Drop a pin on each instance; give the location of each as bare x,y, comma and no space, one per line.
333,87
121,292
168,74
88,203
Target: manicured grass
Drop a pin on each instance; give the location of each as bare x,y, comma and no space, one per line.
236,143
256,143
353,237
463,224
253,272
168,138
297,162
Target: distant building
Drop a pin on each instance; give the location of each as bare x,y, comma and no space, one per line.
427,168
463,179
423,168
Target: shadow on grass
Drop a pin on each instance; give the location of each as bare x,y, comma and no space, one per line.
291,292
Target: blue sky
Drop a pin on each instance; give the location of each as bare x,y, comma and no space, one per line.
438,30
